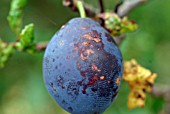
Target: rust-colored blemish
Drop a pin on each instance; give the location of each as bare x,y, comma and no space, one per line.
97,39
92,81
91,46
83,73
96,34
118,81
76,46
84,55
94,68
102,77
89,37
54,89
85,43
89,51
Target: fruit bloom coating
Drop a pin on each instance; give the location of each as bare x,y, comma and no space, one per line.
82,67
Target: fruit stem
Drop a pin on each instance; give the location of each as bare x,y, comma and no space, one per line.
80,7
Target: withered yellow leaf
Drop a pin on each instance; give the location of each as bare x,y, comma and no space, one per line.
140,81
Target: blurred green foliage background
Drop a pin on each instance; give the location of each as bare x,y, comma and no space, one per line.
22,89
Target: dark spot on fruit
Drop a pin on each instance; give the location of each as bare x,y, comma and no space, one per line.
108,37
53,59
91,82
83,73
54,89
113,96
94,89
60,81
70,109
72,90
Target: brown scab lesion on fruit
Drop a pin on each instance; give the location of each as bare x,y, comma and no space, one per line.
54,89
92,37
84,55
76,46
92,81
118,81
108,37
94,68
85,43
102,77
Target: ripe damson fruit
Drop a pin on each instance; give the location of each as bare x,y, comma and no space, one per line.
82,67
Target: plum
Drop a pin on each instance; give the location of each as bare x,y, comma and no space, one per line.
82,67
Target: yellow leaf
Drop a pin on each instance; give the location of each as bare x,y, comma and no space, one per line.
140,81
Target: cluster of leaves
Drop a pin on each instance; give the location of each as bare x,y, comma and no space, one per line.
116,25
24,38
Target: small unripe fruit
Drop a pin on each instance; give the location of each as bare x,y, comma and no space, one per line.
82,67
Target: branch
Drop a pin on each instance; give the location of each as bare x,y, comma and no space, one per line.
127,6
101,6
90,10
164,92
41,46
119,39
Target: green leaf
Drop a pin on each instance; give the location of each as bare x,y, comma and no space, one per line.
15,17
118,26
6,51
26,39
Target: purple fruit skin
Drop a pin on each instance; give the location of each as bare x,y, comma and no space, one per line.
83,67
